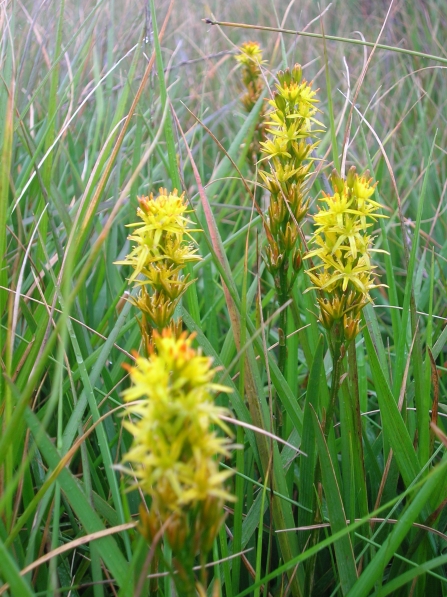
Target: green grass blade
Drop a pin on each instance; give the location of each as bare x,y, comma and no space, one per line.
51,132
10,574
394,427
91,522
344,552
330,105
404,579
306,489
374,571
303,556
191,292
407,304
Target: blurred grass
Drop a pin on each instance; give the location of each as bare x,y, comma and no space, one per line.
72,164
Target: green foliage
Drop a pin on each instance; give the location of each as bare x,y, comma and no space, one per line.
97,111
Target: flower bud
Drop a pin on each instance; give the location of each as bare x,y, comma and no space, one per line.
280,102
350,179
297,260
337,181
277,212
284,77
326,320
299,209
274,257
270,183
177,531
351,327
289,236
150,523
297,73
301,150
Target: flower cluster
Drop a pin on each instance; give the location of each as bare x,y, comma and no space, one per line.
288,152
250,58
159,254
345,273
175,452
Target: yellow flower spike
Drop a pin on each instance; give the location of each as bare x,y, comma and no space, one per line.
250,53
164,213
160,237
157,258
174,449
345,274
250,59
288,151
175,453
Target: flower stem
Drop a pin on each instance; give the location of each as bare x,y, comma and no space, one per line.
337,361
354,407
355,400
283,297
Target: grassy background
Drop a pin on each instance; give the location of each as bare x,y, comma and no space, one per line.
76,151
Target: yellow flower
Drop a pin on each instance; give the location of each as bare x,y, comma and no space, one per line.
174,447
158,307
344,247
158,256
250,58
288,151
275,147
250,53
161,236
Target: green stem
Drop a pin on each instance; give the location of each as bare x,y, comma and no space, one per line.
283,297
335,348
355,421
282,356
184,580
337,360
313,541
346,40
335,344
355,401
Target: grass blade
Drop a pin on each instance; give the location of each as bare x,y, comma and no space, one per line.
344,552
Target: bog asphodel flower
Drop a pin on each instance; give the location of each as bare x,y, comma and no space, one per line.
250,59
161,250
175,452
160,238
288,152
344,275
